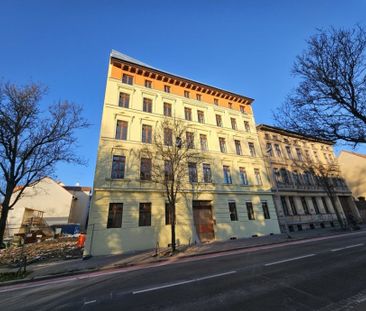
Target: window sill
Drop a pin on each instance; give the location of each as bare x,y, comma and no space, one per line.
118,179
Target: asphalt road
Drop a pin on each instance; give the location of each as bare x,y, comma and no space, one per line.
325,275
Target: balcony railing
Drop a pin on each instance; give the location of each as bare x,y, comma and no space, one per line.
294,219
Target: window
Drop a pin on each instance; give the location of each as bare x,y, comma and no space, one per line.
145,169
284,176
200,116
232,211
203,142
269,149
218,120
118,167
316,156
121,130
266,136
167,110
274,137
286,140
315,204
198,97
146,134
243,176
299,154
307,155
145,215
186,94
127,79
207,173
124,100
222,144
168,170
216,101
325,205
296,178
192,172
307,178
168,137
230,105
252,149
147,105
115,215
148,84
168,214
250,210
246,126
227,175
265,210
305,206
233,124
278,150
188,113
238,147
288,151
190,140
284,206
277,175
242,109
166,88
292,205
258,177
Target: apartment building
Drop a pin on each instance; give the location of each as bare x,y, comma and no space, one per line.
128,211
307,187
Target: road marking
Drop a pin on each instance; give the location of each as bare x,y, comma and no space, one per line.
88,302
346,247
289,259
182,282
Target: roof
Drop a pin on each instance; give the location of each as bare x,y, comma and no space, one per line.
355,154
76,188
293,134
120,56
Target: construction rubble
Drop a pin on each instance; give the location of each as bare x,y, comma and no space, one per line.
48,250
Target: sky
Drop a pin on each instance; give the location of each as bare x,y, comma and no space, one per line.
247,47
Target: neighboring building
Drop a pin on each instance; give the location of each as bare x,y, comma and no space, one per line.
353,168
128,212
47,203
301,202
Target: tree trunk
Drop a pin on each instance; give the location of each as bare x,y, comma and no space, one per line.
173,228
4,216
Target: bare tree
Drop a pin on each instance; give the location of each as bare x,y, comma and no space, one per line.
330,99
32,141
325,176
172,152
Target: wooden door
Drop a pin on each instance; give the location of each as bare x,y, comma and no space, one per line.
202,215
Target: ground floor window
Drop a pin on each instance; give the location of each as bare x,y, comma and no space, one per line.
250,210
233,212
145,214
265,210
168,213
115,215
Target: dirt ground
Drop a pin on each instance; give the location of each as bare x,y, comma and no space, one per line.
50,250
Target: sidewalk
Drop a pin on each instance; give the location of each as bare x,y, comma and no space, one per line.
75,266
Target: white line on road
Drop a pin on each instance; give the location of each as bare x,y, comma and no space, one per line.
182,282
289,259
346,247
88,302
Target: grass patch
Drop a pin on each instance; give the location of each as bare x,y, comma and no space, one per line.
10,276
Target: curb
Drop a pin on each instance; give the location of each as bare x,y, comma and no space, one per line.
125,265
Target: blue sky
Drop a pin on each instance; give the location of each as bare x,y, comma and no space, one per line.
247,47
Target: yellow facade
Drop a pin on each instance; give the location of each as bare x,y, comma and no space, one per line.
131,191
288,156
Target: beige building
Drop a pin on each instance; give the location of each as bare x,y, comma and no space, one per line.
302,201
353,168
46,203
128,211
